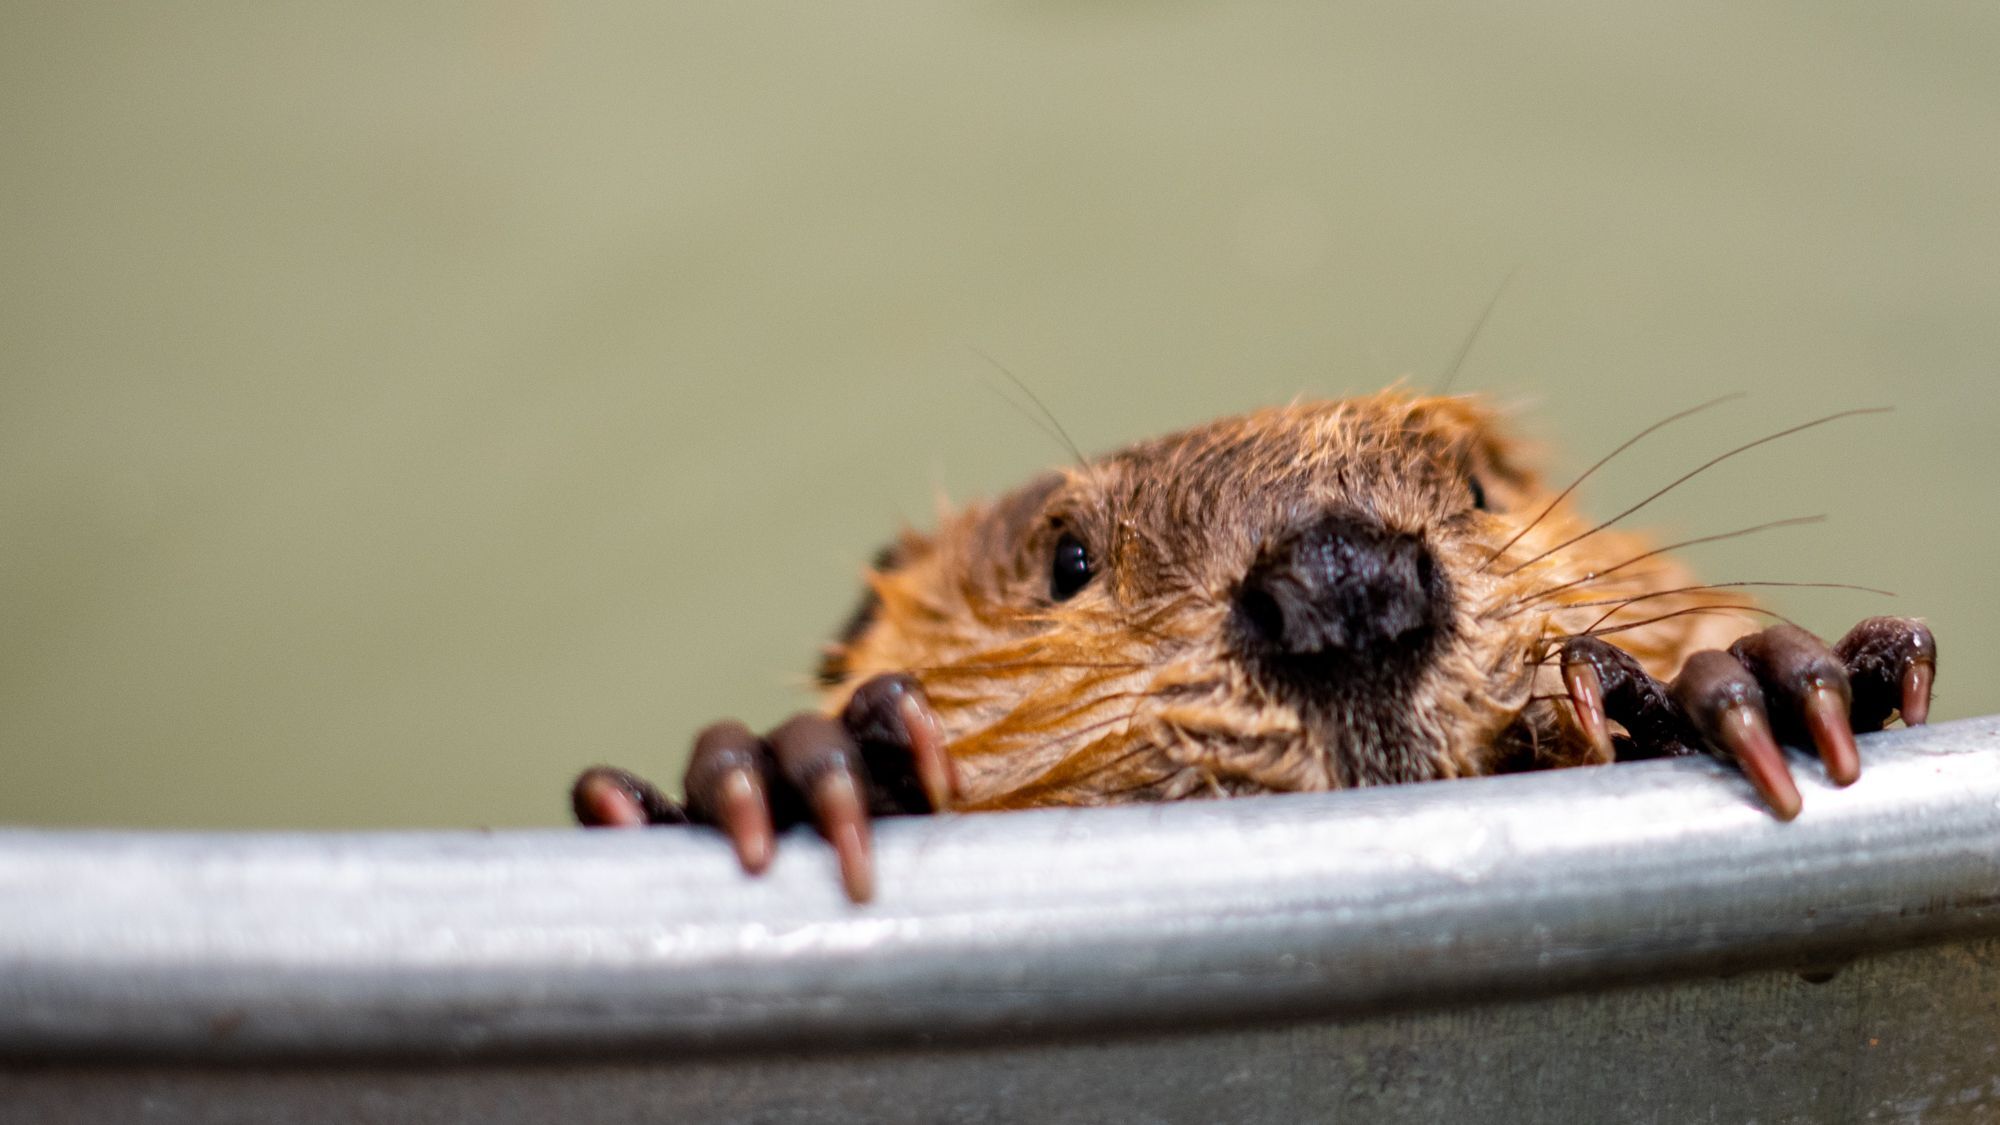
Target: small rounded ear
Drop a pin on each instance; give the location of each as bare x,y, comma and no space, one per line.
1510,459
908,547
982,545
1494,451
1005,528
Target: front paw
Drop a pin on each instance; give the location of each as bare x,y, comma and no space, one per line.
1782,683
884,755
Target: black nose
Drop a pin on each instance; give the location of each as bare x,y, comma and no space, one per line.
1344,586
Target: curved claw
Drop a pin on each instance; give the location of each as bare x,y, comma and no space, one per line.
600,801
1722,700
1892,662
935,768
608,797
843,819
744,814
1742,732
1586,697
819,759
1826,717
1915,687
885,755
902,746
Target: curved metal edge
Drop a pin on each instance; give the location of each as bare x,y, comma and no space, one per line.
1027,924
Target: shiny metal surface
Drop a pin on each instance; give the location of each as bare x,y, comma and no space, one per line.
1024,925
1901,1037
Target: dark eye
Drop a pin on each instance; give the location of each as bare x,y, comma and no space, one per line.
1071,569
1478,493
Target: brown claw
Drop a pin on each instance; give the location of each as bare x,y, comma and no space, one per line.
744,814
1586,697
1742,731
608,797
935,768
1916,692
1826,717
601,801
843,819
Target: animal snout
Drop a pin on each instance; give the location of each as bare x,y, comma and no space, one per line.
1342,586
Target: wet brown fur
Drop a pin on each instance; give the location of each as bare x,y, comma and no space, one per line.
1131,689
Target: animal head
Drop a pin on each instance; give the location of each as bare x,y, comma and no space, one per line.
1315,596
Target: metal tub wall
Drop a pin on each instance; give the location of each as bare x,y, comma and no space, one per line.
1635,943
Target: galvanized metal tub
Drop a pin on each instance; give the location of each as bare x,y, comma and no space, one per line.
1633,943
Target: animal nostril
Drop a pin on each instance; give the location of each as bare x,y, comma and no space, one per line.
1341,586
1260,611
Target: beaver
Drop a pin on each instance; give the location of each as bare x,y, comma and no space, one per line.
1318,596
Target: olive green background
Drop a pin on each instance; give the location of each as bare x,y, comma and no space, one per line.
402,406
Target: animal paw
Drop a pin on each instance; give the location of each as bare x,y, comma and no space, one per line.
883,756
1779,685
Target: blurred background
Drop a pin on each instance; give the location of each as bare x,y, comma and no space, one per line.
403,406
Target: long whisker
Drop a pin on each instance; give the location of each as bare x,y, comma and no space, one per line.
1575,484
1619,604
1054,428
1718,610
1472,337
1697,471
1527,600
1727,586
